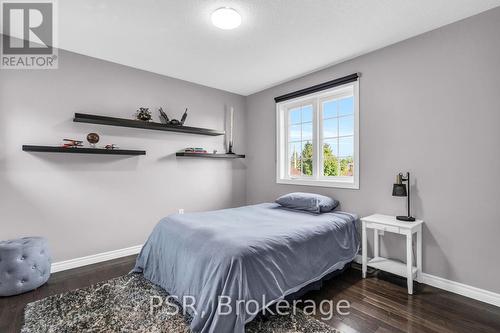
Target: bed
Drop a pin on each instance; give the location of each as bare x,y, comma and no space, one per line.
261,252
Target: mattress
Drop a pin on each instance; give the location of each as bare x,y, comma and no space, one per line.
259,253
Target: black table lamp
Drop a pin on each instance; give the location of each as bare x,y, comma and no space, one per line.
399,190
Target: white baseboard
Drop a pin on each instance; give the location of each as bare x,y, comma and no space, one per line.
462,289
456,287
94,259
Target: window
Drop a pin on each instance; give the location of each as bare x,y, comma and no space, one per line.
317,138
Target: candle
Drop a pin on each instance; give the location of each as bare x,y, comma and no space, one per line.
231,124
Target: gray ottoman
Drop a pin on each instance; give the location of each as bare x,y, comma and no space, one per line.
24,265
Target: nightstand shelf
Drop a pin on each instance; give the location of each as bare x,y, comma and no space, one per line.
385,223
391,266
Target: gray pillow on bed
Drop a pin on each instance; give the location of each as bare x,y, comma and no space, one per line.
309,202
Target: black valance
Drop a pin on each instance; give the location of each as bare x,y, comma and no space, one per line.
318,87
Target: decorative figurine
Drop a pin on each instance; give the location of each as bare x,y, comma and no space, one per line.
143,114
93,138
111,146
173,122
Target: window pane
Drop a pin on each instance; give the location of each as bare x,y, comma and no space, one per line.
295,133
307,131
347,166
294,116
307,113
346,146
307,158
330,128
294,154
346,125
330,161
346,106
330,109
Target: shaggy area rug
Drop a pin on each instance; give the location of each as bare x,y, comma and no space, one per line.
123,305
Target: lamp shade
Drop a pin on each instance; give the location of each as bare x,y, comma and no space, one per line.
399,190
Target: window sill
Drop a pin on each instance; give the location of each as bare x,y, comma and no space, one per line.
319,183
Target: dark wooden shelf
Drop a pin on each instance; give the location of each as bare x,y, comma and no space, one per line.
111,121
208,155
102,151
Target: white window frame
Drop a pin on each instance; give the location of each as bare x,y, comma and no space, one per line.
282,158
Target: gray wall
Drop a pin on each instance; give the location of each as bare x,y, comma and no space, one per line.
429,105
87,204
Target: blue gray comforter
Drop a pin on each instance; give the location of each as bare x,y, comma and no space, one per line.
260,252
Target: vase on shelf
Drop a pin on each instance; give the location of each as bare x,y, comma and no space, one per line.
231,125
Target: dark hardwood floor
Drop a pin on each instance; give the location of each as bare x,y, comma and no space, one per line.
381,303
377,304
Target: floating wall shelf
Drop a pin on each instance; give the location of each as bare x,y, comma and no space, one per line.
51,149
111,121
208,155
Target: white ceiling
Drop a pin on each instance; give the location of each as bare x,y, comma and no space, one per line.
277,40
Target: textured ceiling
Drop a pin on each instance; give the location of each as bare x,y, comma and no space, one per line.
277,40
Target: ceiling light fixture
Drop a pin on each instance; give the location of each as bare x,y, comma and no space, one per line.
226,18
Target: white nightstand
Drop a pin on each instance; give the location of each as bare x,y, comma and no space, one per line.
390,224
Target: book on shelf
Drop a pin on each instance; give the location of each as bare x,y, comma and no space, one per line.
195,150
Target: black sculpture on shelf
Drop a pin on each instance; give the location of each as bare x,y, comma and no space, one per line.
173,122
184,116
143,114
163,116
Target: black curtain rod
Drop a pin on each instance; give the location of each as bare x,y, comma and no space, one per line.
318,87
